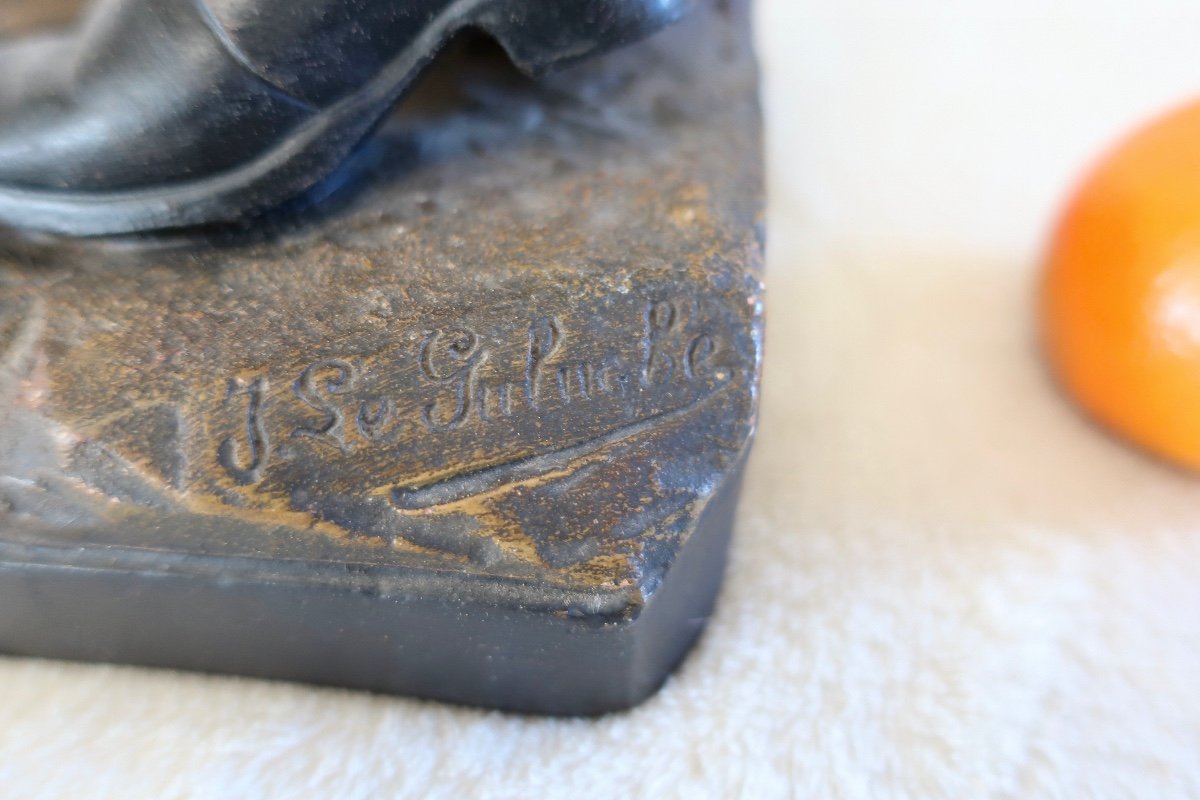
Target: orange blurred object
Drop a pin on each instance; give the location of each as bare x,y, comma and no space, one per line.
1121,298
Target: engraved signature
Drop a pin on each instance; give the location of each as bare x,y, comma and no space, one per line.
229,451
461,381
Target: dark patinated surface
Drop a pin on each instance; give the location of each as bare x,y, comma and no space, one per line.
471,431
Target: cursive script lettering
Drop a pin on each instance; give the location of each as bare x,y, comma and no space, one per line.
463,378
259,446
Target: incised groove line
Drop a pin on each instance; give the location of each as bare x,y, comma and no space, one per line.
470,484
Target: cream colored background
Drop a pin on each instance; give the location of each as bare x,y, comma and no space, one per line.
945,584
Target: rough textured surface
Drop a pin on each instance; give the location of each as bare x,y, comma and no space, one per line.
944,583
507,371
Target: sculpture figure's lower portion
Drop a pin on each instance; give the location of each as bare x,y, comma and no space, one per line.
474,433
157,114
